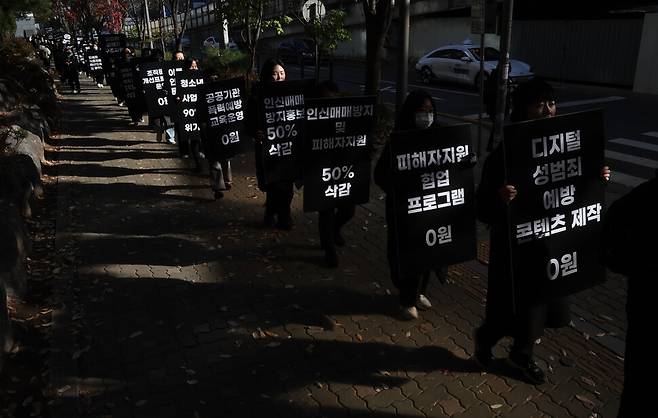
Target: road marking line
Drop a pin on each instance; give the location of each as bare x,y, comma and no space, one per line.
589,101
626,179
426,87
644,162
635,144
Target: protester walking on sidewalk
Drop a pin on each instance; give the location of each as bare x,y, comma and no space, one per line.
418,112
629,224
194,145
504,316
162,125
219,167
278,194
97,74
173,132
71,70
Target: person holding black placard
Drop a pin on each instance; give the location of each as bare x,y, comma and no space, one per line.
194,145
418,112
278,194
506,315
219,167
71,71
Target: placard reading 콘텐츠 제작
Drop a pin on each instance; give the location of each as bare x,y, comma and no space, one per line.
336,151
433,194
557,213
222,109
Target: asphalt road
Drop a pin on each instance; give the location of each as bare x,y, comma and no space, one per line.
631,123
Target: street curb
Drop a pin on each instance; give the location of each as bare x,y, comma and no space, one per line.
63,341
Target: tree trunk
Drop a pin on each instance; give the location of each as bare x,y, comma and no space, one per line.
378,16
374,56
162,42
177,34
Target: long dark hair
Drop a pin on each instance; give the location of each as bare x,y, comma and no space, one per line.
267,69
528,93
406,118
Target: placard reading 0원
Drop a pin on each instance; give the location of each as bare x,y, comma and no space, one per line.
556,216
434,217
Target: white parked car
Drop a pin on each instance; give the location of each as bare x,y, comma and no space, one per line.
461,64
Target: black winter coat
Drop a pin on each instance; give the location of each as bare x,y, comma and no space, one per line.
504,309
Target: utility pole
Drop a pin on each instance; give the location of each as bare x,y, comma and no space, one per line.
503,70
148,22
403,56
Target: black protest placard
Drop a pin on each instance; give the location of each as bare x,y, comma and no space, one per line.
128,83
336,151
189,82
94,62
283,121
433,194
555,165
222,110
112,44
173,71
155,81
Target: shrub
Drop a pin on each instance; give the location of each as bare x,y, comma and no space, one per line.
227,63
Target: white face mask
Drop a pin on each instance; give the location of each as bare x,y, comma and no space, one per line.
424,119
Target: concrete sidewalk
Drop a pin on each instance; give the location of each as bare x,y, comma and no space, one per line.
184,306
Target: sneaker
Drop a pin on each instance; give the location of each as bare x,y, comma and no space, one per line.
482,355
218,195
423,303
529,368
409,312
339,240
172,141
121,104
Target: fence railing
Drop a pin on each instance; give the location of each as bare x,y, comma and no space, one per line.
196,18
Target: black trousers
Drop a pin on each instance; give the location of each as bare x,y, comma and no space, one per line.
523,345
409,286
278,197
98,76
73,79
330,223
